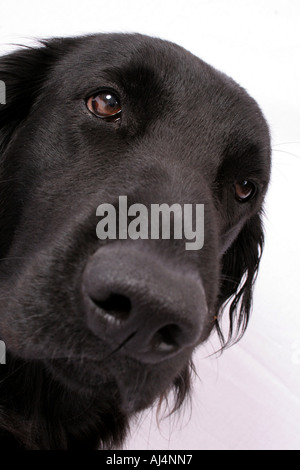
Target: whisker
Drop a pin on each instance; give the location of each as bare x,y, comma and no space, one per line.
288,153
286,143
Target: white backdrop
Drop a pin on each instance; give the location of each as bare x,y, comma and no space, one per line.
249,398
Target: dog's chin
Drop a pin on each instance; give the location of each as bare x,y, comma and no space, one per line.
79,378
129,396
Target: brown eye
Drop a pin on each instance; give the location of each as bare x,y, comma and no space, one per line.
244,190
105,105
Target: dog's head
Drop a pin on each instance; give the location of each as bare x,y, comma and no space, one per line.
88,120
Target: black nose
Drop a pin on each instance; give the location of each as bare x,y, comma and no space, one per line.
136,302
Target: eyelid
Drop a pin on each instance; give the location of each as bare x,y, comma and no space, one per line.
109,89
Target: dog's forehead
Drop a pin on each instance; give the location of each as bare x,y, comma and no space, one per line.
158,72
135,60
132,57
124,57
121,49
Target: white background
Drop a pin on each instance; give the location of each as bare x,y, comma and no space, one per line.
249,397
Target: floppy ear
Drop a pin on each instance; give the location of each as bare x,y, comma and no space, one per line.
22,74
239,270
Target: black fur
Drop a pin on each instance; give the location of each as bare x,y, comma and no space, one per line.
187,134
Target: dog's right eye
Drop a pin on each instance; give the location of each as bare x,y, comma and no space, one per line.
105,105
244,190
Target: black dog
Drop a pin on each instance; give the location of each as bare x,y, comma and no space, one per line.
97,330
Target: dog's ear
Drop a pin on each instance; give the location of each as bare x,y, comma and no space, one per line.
239,269
22,75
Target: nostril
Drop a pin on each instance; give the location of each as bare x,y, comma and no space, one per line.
116,307
141,307
166,339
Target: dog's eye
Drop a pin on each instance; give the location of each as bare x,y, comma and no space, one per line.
105,105
244,190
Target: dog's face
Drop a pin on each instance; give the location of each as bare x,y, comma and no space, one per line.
88,120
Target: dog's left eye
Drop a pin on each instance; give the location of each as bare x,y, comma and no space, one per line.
105,105
244,190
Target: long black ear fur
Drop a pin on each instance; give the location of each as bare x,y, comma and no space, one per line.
23,73
239,270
